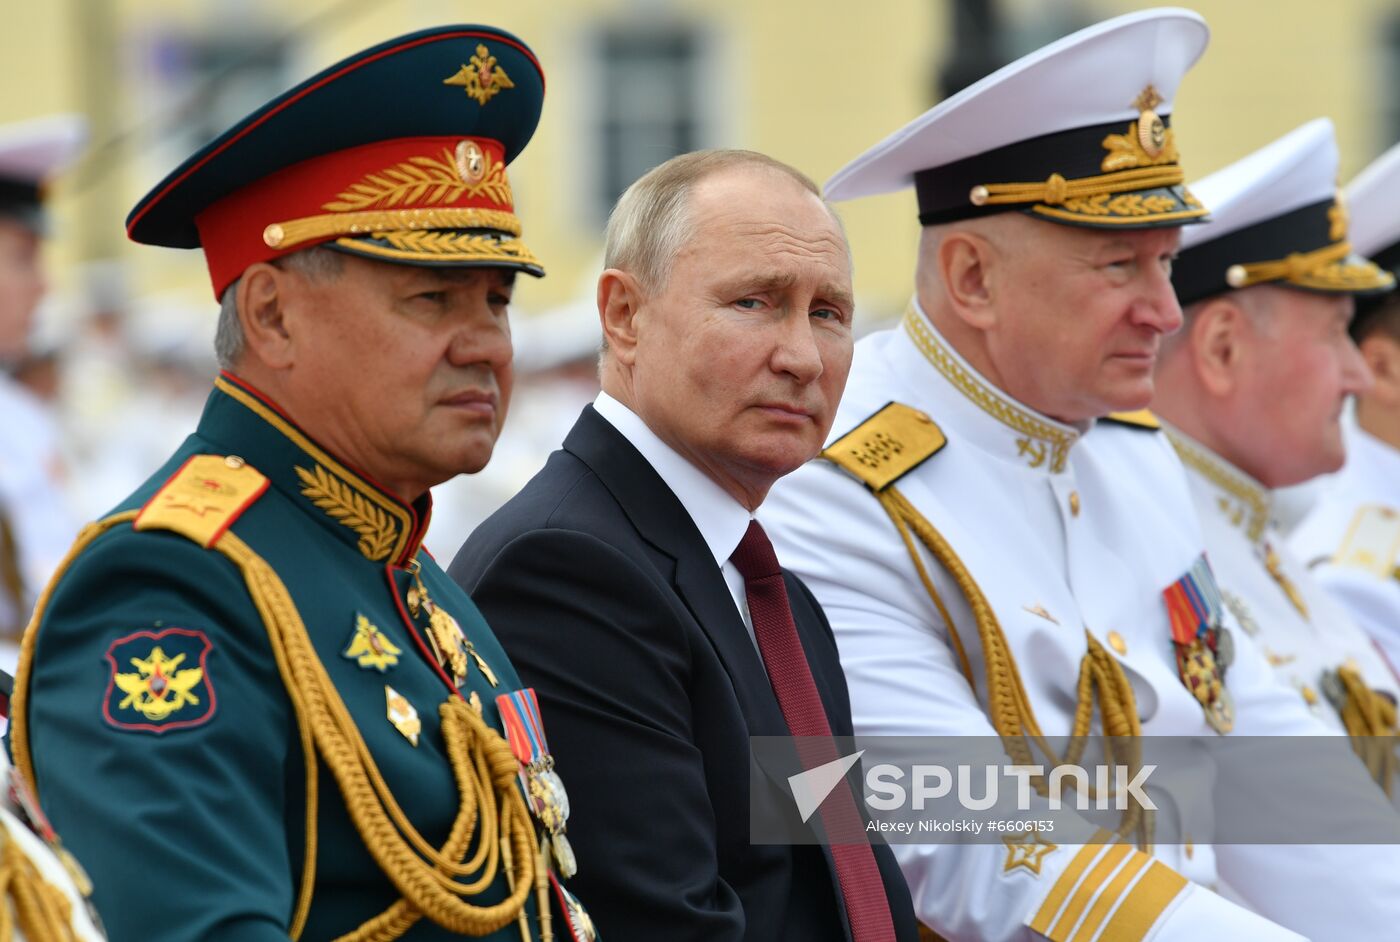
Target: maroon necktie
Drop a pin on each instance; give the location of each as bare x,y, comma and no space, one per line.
861,885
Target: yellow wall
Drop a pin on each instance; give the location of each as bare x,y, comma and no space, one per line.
810,81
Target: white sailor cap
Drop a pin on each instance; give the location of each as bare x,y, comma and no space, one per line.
31,152
1076,133
1374,201
1276,217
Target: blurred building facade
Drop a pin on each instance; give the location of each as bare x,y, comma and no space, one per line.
631,82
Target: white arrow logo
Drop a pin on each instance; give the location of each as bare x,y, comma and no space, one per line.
810,788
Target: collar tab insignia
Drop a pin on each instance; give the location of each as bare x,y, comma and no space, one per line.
159,681
369,648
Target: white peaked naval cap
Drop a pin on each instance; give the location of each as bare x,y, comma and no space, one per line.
31,152
1275,218
1076,133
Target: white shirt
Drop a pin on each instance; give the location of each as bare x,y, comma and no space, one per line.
1063,531
721,520
1301,630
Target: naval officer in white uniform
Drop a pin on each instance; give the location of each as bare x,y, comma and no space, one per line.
1351,538
996,559
36,526
1253,389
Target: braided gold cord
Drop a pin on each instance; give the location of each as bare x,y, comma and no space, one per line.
423,884
1370,721
1101,677
1055,189
41,911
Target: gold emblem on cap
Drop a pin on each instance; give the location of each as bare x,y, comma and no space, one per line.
1236,276
471,161
273,236
1152,133
483,79
1337,220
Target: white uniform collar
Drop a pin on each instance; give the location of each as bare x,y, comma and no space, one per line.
982,413
721,520
1247,504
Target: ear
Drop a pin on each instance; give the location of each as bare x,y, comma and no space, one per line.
1217,344
966,265
262,310
1382,355
619,301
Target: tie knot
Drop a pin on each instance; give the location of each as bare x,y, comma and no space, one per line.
754,557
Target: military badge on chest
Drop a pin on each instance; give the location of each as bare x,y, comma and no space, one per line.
520,714
1204,648
452,649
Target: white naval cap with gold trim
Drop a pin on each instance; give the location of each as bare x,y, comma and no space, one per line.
1276,218
31,152
1075,133
1373,199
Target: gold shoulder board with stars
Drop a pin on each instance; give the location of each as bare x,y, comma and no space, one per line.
1141,418
203,499
887,446
1372,540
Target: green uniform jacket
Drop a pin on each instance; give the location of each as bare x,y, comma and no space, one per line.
158,724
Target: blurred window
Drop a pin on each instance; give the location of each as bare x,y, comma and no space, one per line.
652,77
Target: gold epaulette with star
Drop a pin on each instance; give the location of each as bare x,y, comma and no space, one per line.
887,445
1372,541
1140,418
203,498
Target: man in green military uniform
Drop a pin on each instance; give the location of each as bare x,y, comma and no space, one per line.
253,703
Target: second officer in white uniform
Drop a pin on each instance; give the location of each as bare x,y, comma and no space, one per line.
1253,389
995,559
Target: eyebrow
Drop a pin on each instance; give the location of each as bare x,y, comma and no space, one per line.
775,281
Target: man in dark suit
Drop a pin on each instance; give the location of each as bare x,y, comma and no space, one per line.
633,590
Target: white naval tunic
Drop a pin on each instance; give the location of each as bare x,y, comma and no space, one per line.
1351,539
1063,530
31,502
1301,630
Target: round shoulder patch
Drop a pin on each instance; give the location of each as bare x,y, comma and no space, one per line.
160,681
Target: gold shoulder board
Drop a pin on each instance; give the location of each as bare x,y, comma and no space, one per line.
1142,418
1372,540
887,446
203,498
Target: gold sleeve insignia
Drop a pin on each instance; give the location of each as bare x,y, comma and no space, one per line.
169,686
203,498
887,446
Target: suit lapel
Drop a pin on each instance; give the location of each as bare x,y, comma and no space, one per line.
661,519
658,515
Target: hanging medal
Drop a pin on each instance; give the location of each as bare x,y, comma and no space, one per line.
520,714
449,643
1204,648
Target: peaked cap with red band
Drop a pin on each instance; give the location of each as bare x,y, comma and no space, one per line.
397,153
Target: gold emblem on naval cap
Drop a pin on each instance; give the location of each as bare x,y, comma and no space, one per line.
1152,133
1337,220
483,78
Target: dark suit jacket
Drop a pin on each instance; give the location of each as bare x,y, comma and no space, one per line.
610,605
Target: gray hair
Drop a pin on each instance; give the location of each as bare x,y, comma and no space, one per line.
317,262
651,220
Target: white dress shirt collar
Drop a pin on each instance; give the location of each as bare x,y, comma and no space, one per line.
721,520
